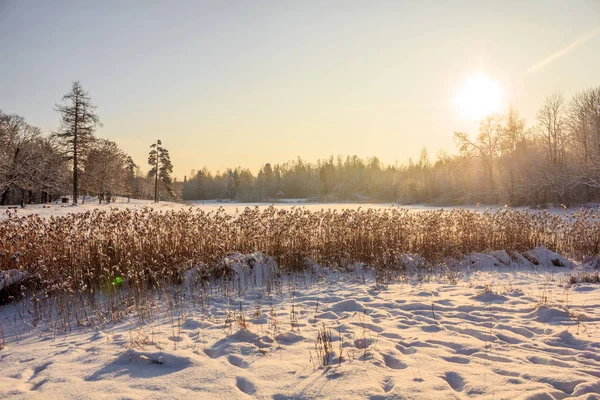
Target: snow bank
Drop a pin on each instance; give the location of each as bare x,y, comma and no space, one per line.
244,270
542,256
538,257
11,277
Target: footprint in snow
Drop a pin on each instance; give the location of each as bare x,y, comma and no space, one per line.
406,350
245,385
393,363
237,361
455,380
387,384
30,374
457,360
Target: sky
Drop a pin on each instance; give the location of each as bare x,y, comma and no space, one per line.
242,83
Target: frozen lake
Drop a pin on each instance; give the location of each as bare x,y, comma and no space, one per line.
233,208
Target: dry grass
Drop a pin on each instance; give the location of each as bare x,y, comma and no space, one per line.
324,346
108,262
81,252
584,277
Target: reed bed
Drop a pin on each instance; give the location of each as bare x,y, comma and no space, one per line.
83,253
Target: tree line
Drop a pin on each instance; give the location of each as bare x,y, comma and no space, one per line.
37,168
555,160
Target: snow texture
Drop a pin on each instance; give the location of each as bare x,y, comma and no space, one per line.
506,326
503,332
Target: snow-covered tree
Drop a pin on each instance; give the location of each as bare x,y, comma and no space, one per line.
106,170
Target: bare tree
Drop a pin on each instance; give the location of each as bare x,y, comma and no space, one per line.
513,148
584,135
553,134
17,160
105,172
551,128
51,172
486,147
31,166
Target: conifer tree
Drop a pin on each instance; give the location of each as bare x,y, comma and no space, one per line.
78,122
161,170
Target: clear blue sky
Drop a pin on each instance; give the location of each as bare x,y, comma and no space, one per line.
227,83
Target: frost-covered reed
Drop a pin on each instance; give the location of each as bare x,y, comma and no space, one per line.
98,250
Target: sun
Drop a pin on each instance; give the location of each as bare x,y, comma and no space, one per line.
479,97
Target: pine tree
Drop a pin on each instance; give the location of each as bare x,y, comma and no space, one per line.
161,169
78,122
233,184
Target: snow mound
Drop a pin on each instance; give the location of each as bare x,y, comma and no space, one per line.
502,256
136,364
412,262
488,296
547,258
246,270
251,269
349,305
479,261
11,277
549,314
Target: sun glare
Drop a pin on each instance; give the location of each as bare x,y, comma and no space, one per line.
479,97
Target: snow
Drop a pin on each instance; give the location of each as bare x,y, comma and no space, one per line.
11,277
546,257
503,326
232,208
59,209
514,331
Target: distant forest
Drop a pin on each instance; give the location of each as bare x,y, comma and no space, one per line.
555,160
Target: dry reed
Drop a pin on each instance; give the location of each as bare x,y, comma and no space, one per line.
100,251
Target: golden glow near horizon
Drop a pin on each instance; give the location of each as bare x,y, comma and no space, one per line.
271,81
479,97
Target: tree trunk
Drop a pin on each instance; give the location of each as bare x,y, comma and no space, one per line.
75,152
75,188
4,196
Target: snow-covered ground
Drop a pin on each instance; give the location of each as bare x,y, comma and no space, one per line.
497,328
489,332
58,209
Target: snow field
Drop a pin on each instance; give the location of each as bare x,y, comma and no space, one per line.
516,331
232,208
496,324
